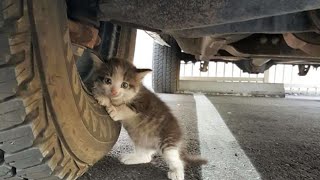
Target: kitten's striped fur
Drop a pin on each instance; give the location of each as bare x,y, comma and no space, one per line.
148,120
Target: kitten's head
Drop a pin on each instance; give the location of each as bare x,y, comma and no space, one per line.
119,80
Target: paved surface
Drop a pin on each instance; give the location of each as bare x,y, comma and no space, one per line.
226,158
109,168
279,138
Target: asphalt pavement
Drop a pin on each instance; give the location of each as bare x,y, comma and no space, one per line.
242,137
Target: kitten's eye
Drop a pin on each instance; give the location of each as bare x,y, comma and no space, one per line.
107,80
124,85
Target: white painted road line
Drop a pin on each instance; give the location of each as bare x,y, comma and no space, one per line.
227,161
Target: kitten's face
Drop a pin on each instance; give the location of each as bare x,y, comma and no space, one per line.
118,80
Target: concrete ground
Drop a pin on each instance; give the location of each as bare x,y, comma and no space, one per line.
242,137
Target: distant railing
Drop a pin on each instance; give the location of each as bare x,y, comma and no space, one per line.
228,72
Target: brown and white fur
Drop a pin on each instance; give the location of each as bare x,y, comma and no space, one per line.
148,120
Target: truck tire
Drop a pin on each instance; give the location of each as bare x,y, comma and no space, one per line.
50,127
166,67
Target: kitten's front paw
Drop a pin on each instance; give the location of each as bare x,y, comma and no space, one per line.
134,159
112,111
103,101
176,175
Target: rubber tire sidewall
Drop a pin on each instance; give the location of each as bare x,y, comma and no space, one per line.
80,120
52,128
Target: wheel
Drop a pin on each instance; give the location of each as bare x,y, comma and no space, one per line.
166,65
50,127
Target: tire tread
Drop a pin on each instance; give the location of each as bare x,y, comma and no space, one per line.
166,67
29,146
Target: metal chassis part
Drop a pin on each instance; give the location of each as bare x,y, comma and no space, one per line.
174,15
83,34
306,47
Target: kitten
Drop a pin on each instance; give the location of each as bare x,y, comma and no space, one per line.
148,120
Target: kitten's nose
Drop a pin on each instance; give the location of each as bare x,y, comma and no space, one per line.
114,92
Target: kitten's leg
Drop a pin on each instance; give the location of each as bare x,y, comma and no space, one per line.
102,100
176,166
140,156
122,112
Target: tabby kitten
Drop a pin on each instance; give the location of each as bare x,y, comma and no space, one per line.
149,122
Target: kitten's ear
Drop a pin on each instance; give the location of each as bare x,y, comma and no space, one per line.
141,73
